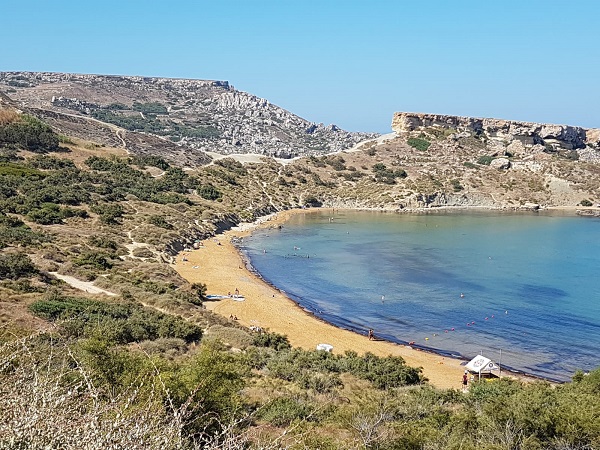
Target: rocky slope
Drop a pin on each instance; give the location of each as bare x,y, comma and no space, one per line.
553,137
188,117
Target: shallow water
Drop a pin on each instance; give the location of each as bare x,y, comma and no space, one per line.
531,282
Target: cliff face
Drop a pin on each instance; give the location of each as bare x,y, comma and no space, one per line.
196,115
562,136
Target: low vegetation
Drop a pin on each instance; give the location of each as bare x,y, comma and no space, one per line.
151,369
418,143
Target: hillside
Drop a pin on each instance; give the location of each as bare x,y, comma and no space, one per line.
150,368
171,116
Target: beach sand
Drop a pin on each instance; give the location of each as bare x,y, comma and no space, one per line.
218,264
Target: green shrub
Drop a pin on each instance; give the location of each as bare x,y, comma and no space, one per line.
150,160
485,160
209,192
96,260
388,176
150,108
16,265
282,411
418,143
456,185
585,202
29,133
271,340
102,242
108,212
120,323
47,162
160,221
51,213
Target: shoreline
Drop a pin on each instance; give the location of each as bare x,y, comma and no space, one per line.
224,268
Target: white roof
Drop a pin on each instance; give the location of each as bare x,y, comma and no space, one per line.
481,364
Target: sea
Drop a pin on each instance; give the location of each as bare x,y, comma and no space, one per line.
523,289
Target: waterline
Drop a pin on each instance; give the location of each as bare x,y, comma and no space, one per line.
535,279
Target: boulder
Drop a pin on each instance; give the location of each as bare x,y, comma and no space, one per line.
500,163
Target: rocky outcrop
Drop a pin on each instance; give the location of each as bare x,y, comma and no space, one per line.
202,115
563,136
444,199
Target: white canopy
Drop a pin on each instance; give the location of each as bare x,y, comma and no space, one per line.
481,364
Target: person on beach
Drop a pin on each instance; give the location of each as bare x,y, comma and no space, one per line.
371,335
465,380
237,291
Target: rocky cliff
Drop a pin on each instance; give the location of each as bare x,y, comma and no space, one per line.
196,115
554,136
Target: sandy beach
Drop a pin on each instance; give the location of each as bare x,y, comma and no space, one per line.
218,264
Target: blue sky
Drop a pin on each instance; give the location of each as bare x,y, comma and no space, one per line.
352,63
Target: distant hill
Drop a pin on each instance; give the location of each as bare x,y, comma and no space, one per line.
184,117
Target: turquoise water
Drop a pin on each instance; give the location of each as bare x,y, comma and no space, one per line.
530,282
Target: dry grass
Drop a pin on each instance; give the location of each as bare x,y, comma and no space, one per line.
8,116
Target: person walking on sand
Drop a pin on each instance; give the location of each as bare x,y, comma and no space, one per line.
465,381
371,336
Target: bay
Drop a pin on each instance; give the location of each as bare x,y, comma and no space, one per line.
521,288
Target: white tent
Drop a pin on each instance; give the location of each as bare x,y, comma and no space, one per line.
480,364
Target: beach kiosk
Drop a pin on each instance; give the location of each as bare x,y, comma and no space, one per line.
482,366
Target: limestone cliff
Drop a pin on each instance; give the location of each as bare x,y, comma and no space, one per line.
562,136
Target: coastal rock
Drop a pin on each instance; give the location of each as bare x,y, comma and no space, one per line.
564,136
443,199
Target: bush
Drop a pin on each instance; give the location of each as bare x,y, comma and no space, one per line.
96,260
50,162
388,176
418,143
16,265
456,185
119,323
150,108
272,340
50,213
160,221
282,411
209,192
485,160
108,212
585,202
150,160
29,133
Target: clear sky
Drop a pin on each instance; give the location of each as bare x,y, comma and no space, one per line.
352,63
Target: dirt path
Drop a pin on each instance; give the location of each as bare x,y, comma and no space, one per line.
82,285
